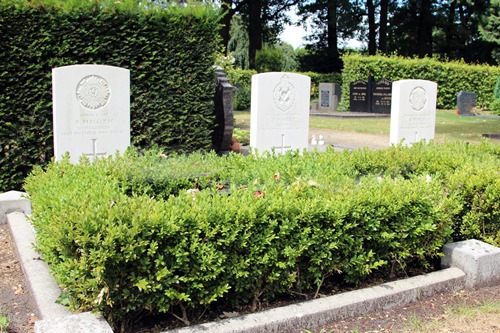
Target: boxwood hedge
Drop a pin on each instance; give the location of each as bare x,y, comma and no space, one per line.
155,233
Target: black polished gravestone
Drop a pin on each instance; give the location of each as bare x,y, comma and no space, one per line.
381,96
466,102
359,97
223,111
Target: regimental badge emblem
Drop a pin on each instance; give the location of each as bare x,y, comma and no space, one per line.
418,98
284,94
93,92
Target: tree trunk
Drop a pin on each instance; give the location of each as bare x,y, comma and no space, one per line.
448,47
254,30
425,24
372,43
382,33
226,23
413,33
333,51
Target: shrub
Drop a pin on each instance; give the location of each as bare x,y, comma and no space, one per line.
150,233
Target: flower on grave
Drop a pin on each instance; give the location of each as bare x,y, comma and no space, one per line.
458,112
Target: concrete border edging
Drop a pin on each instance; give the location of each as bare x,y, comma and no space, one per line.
316,313
13,201
56,318
479,260
43,287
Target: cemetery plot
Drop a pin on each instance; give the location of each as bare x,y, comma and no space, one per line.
279,112
91,110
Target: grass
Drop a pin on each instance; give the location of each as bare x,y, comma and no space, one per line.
461,318
449,126
4,322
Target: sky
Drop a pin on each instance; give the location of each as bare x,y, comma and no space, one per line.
294,35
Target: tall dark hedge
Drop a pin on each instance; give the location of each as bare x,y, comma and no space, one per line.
168,50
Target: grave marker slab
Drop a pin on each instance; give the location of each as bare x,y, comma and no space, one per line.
359,96
381,96
466,101
91,110
279,111
413,111
329,97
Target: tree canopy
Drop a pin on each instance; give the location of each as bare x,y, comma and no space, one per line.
448,29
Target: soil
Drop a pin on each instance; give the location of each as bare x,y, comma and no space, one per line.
17,304
16,301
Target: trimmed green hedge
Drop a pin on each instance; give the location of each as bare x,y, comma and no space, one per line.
176,234
169,52
451,77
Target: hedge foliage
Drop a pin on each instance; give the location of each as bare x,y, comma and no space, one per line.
151,233
169,52
242,80
451,77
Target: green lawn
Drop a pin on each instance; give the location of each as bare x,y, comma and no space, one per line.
449,126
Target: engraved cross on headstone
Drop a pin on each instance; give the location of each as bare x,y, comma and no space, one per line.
283,147
94,152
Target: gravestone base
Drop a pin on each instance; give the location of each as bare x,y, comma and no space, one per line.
13,201
480,262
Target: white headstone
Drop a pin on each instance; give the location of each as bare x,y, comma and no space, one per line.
280,111
91,110
328,97
413,111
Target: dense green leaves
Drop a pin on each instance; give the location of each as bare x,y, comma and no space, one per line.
169,52
175,234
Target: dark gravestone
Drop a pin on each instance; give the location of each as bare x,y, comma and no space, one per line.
224,120
381,96
324,98
359,96
466,102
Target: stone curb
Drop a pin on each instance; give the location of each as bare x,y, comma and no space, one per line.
55,317
13,201
316,313
459,257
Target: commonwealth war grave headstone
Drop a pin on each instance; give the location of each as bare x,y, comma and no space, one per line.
413,111
329,97
91,110
279,111
466,101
